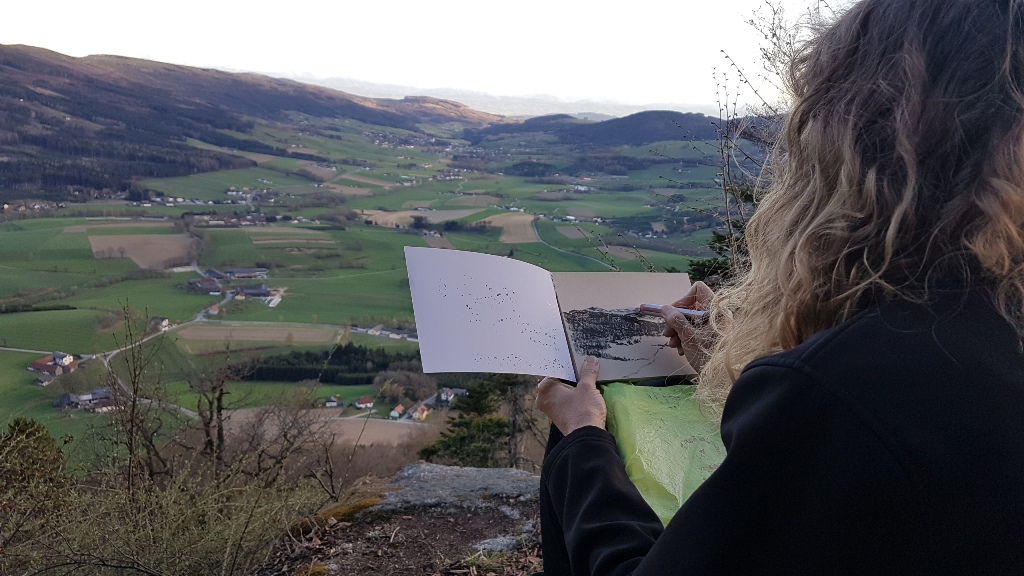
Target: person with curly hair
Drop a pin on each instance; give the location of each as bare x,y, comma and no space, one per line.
867,367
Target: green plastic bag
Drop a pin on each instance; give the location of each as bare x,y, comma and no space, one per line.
668,446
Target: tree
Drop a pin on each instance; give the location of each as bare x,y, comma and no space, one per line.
745,139
32,481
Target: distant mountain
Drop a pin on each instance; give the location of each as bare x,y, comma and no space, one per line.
514,106
634,130
81,125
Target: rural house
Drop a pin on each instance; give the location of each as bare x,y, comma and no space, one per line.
364,403
448,395
247,273
253,291
420,414
53,365
397,412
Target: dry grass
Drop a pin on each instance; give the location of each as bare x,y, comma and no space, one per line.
349,190
404,217
438,242
148,251
516,227
572,232
370,181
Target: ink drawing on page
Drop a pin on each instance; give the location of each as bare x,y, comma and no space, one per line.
483,313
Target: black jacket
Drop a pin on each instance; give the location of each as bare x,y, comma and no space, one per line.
891,444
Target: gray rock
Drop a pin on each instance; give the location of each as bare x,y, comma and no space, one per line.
423,485
499,544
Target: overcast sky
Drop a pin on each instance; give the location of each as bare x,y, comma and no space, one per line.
636,51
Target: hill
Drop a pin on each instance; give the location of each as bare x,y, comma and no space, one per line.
76,126
633,130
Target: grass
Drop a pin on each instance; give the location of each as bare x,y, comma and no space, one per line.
151,296
25,399
72,331
255,394
212,185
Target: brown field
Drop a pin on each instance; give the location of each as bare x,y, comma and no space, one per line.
417,204
86,227
257,333
438,242
348,190
404,217
366,430
304,150
620,252
258,158
291,240
658,227
572,232
148,251
516,227
370,181
318,172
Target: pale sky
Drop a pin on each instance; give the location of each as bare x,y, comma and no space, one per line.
636,52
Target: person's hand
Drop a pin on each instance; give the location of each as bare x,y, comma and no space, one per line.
683,333
574,407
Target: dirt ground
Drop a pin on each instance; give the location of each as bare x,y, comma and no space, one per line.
516,227
148,251
370,181
364,431
572,232
87,227
427,541
259,333
404,217
658,227
417,204
438,242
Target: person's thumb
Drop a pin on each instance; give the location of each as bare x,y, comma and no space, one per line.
675,319
588,373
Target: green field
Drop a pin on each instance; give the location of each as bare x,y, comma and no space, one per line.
23,398
335,276
256,394
212,185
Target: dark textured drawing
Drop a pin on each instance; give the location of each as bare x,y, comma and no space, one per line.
629,345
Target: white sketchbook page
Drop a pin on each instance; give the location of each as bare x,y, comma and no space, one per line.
629,346
482,313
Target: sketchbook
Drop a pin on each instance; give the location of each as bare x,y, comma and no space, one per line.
483,313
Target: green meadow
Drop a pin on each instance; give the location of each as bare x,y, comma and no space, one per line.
333,276
22,397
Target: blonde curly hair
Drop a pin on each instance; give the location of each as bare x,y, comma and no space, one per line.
900,172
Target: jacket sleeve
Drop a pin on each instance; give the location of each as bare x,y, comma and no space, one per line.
801,473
